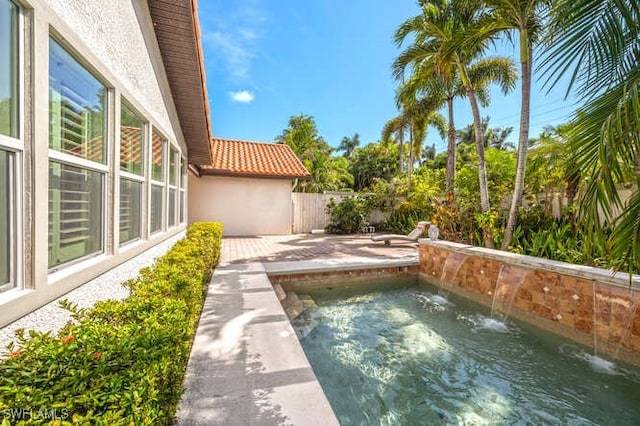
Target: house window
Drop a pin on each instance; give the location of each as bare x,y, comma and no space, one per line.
183,184
157,157
131,141
11,144
174,175
155,220
75,212
9,86
77,162
158,146
6,220
132,130
130,210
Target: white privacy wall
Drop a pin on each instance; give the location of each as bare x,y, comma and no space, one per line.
244,206
120,34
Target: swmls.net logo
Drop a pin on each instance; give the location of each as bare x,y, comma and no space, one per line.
17,414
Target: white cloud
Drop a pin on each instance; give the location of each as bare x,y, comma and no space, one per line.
243,96
237,56
231,35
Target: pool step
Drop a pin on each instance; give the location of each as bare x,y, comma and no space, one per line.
279,292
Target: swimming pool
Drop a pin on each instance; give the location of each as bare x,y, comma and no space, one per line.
400,353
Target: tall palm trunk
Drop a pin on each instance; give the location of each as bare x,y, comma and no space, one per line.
523,141
401,150
410,168
451,149
482,170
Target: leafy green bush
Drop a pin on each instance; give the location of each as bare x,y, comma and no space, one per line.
347,216
120,362
404,218
562,240
456,224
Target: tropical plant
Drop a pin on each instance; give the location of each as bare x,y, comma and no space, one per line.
371,162
495,137
348,144
327,173
441,44
501,171
597,43
426,189
403,220
453,223
348,216
526,19
387,194
549,170
416,116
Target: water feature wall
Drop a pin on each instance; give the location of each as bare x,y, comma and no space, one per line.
589,305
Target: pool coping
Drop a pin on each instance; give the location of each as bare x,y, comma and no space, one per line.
247,365
619,279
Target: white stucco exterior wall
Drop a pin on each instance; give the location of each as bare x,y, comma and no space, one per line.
245,206
115,40
120,34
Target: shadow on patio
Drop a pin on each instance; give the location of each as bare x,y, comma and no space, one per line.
281,248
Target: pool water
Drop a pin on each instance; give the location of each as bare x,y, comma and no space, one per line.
400,353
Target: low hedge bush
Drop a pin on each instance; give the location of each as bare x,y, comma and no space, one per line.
119,362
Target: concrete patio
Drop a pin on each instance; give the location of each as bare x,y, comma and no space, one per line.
286,248
247,365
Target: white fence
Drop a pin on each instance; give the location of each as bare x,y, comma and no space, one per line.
309,210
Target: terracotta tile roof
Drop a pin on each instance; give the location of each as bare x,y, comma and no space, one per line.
254,159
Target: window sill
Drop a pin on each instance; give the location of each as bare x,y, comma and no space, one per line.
9,296
66,271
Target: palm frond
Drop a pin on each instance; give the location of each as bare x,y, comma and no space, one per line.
597,41
501,71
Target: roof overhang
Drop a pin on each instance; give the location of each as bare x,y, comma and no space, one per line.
177,30
209,172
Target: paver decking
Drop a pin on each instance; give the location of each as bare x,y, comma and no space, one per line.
247,365
280,248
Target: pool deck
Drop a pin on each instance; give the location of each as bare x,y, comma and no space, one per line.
247,365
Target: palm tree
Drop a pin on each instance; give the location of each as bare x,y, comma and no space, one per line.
393,132
348,144
416,116
495,137
526,18
598,43
441,45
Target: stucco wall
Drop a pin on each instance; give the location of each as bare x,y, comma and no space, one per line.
119,33
245,206
115,40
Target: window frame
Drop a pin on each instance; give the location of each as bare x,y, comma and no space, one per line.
182,203
103,168
15,147
139,178
173,187
156,183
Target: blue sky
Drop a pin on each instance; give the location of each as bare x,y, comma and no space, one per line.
267,60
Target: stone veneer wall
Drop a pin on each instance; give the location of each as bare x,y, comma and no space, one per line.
571,300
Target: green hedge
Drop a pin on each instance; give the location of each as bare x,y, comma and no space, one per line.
120,362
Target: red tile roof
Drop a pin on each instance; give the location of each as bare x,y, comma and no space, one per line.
254,159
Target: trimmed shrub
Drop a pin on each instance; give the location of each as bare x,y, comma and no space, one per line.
347,216
120,362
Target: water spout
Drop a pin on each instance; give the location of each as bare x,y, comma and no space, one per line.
450,270
509,281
